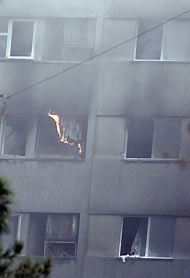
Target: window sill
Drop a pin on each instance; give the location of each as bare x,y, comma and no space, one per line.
155,160
43,257
69,159
125,258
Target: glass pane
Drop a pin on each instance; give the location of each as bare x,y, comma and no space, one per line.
167,138
3,46
176,44
149,44
140,136
134,236
62,227
9,238
161,238
79,31
4,26
53,40
22,38
62,137
60,249
15,135
36,234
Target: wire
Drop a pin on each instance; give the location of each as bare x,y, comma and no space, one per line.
92,57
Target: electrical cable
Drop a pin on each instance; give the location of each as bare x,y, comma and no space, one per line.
92,57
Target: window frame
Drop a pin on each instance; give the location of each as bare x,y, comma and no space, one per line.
31,147
147,241
88,46
9,39
45,239
152,158
162,40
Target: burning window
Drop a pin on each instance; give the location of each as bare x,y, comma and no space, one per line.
68,39
149,44
148,236
53,234
15,132
13,233
154,138
62,136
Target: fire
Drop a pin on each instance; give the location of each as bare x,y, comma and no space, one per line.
62,137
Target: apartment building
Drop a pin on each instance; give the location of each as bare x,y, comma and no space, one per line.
97,147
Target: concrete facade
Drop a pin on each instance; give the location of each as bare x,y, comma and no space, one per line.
109,90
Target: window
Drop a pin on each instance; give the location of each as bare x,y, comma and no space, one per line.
16,38
148,236
153,138
13,233
134,235
166,42
53,234
68,39
62,136
14,139
149,44
46,136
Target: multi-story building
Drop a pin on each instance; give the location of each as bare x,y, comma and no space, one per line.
98,151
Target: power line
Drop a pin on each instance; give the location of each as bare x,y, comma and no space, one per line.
93,57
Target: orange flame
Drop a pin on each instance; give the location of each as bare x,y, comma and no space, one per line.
62,137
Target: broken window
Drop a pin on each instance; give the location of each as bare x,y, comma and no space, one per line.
134,235
22,38
150,42
153,138
62,136
68,39
9,238
139,138
148,236
15,132
53,234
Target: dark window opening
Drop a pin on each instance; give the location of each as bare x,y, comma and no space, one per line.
150,42
140,138
15,133
22,38
66,138
134,235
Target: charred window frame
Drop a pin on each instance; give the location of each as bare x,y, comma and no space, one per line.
17,38
72,38
53,234
153,138
152,236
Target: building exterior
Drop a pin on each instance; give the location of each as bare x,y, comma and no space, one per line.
98,153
